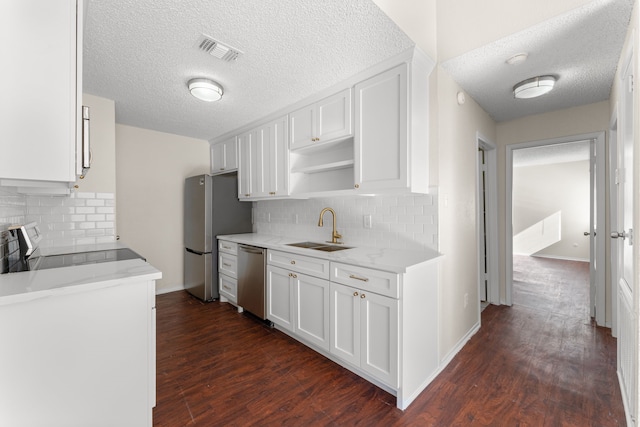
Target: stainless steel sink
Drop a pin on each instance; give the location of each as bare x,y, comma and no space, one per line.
319,246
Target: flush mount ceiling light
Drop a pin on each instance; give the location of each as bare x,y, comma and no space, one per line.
536,86
205,89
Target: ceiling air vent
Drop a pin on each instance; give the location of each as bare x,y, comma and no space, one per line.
218,49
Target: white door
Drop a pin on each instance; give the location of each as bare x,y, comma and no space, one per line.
624,239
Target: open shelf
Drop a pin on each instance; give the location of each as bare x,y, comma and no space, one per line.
324,167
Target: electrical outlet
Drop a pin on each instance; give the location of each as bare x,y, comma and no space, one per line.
367,221
466,300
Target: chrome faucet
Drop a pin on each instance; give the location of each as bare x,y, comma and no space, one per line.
334,235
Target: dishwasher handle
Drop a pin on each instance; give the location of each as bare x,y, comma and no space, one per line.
251,249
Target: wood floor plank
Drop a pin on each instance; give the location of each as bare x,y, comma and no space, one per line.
529,365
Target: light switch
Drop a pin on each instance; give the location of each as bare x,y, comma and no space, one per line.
367,221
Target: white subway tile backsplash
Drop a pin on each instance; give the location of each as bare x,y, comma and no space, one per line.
398,221
77,219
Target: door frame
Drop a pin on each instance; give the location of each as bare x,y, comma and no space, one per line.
613,218
491,224
599,138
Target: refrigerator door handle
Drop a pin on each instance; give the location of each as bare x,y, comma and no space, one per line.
194,252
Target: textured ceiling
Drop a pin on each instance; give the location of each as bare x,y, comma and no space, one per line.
141,53
580,48
552,154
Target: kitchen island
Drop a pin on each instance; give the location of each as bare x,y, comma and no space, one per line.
373,311
78,345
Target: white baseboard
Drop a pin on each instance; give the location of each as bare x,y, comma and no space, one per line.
456,349
166,290
564,258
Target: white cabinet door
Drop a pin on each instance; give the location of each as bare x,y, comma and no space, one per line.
280,297
245,172
345,323
379,337
334,117
40,87
364,331
381,126
264,161
224,156
312,309
327,120
302,127
277,169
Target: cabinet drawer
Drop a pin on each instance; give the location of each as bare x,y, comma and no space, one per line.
380,282
228,287
228,247
228,264
302,264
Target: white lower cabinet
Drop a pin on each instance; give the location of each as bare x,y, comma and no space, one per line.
364,331
300,304
228,271
382,325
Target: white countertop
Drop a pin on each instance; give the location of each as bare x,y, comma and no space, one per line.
28,285
393,260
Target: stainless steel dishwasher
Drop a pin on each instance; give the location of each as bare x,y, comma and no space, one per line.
251,280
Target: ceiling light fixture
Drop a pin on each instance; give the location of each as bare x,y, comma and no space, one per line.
205,89
534,87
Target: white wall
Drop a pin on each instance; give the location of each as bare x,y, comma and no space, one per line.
151,168
457,144
541,190
555,124
464,25
452,168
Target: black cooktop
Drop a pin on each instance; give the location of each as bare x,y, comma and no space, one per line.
81,258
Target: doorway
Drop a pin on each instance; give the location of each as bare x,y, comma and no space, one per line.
551,225
487,220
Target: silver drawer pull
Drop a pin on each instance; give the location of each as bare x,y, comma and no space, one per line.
352,276
226,247
226,265
226,287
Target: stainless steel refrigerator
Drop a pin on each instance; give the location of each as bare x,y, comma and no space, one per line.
211,208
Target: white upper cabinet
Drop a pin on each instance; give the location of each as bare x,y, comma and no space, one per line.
224,156
381,155
41,87
385,150
391,139
325,121
264,161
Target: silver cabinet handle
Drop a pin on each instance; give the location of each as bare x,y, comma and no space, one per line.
353,276
226,247
226,264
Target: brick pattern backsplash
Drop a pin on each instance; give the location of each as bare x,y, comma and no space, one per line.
81,218
398,221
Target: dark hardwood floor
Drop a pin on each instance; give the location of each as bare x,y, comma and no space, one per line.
527,366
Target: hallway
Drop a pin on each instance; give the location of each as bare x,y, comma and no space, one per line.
529,365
